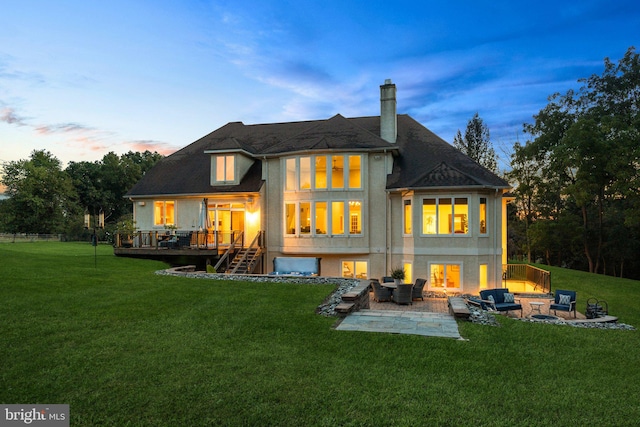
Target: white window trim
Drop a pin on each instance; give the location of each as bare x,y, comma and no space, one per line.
329,232
214,164
486,220
353,260
445,263
312,171
404,217
453,234
164,209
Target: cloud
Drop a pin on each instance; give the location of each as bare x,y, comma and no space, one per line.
73,128
160,147
8,115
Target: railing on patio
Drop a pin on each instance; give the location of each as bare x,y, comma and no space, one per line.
178,240
538,278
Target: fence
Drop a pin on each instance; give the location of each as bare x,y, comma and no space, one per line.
540,279
23,237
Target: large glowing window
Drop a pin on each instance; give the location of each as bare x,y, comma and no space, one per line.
445,276
483,215
164,213
290,175
337,171
290,218
407,216
337,218
305,173
225,168
355,217
355,269
321,217
355,173
305,218
429,216
445,215
321,172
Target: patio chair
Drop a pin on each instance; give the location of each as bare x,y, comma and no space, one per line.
417,289
564,301
379,293
386,279
402,294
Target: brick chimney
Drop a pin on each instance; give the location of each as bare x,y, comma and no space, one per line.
388,116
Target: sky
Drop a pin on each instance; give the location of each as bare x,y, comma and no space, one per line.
84,78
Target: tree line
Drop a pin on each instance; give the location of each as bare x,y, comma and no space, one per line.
44,198
576,179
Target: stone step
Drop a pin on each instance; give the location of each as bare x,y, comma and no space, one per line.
458,308
345,307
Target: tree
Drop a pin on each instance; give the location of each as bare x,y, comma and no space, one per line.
586,151
477,143
41,196
103,184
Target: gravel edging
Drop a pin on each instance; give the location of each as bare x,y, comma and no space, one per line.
587,325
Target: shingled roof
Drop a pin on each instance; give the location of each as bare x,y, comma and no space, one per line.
422,159
427,161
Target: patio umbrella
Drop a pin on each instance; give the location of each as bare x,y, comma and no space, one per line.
204,215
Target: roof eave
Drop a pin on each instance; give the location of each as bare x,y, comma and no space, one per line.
448,187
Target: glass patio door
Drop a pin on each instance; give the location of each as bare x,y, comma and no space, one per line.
225,219
445,276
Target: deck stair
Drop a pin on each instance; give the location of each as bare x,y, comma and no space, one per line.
249,258
245,261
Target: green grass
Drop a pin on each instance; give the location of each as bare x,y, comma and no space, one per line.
125,347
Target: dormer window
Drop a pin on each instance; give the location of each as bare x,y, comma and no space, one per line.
224,170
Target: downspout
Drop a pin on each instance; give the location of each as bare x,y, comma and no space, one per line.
497,276
387,215
263,214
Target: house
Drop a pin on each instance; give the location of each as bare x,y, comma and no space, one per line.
363,194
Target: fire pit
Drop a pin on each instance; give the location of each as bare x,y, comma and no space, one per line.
544,317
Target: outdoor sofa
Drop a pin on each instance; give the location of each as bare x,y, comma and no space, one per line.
499,299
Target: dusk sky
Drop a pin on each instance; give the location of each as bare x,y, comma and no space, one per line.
83,78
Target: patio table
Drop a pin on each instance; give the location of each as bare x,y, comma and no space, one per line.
536,306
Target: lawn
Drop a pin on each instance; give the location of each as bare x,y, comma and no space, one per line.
125,347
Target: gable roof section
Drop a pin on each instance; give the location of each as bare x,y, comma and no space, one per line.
444,175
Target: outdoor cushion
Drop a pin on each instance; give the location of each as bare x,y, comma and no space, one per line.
491,298
564,299
509,297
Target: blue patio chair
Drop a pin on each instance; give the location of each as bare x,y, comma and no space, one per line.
564,301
